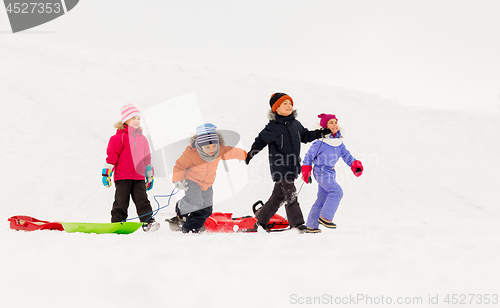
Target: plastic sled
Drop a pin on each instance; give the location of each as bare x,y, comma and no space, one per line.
102,228
28,223
223,222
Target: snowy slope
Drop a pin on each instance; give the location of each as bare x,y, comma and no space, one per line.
422,220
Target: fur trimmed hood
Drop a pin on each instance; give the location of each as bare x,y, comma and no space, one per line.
272,116
120,125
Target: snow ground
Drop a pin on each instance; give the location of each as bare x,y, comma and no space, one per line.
422,220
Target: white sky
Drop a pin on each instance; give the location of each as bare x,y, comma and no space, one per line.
443,53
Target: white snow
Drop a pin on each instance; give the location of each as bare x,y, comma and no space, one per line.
422,221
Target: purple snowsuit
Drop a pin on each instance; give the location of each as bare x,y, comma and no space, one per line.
324,155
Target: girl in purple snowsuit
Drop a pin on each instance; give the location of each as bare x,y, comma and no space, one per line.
324,154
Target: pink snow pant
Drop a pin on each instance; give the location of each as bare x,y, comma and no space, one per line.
329,195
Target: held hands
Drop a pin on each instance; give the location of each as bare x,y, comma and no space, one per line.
323,132
251,154
149,177
306,174
181,185
107,173
247,159
357,168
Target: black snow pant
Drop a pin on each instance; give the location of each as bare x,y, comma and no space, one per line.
284,193
196,206
136,189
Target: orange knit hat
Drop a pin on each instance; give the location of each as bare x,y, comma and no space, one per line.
277,99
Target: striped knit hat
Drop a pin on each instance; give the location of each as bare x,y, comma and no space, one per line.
207,134
128,112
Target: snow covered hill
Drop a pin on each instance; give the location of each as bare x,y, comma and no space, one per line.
421,221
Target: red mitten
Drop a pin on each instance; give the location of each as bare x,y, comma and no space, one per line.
357,168
306,173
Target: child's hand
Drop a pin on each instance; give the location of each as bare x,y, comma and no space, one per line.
357,168
149,183
149,177
181,185
306,174
322,132
250,154
107,173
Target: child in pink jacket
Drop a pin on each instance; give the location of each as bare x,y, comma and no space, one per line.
129,160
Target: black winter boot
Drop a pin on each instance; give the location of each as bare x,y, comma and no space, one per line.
327,224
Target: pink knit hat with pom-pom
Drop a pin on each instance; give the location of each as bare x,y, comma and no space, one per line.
325,118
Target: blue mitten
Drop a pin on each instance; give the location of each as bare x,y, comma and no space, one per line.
107,173
150,172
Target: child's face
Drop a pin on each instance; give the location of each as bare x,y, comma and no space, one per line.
134,122
209,149
332,125
285,109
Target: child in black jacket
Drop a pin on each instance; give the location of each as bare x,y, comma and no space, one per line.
283,134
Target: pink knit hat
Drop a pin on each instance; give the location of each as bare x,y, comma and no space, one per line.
128,112
325,118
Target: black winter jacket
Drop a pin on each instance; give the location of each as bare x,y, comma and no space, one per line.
283,135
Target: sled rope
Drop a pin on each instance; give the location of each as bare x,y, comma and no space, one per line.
154,212
82,203
298,192
315,156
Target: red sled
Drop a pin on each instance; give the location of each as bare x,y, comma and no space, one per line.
27,223
223,222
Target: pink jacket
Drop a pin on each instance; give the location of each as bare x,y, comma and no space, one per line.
128,151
